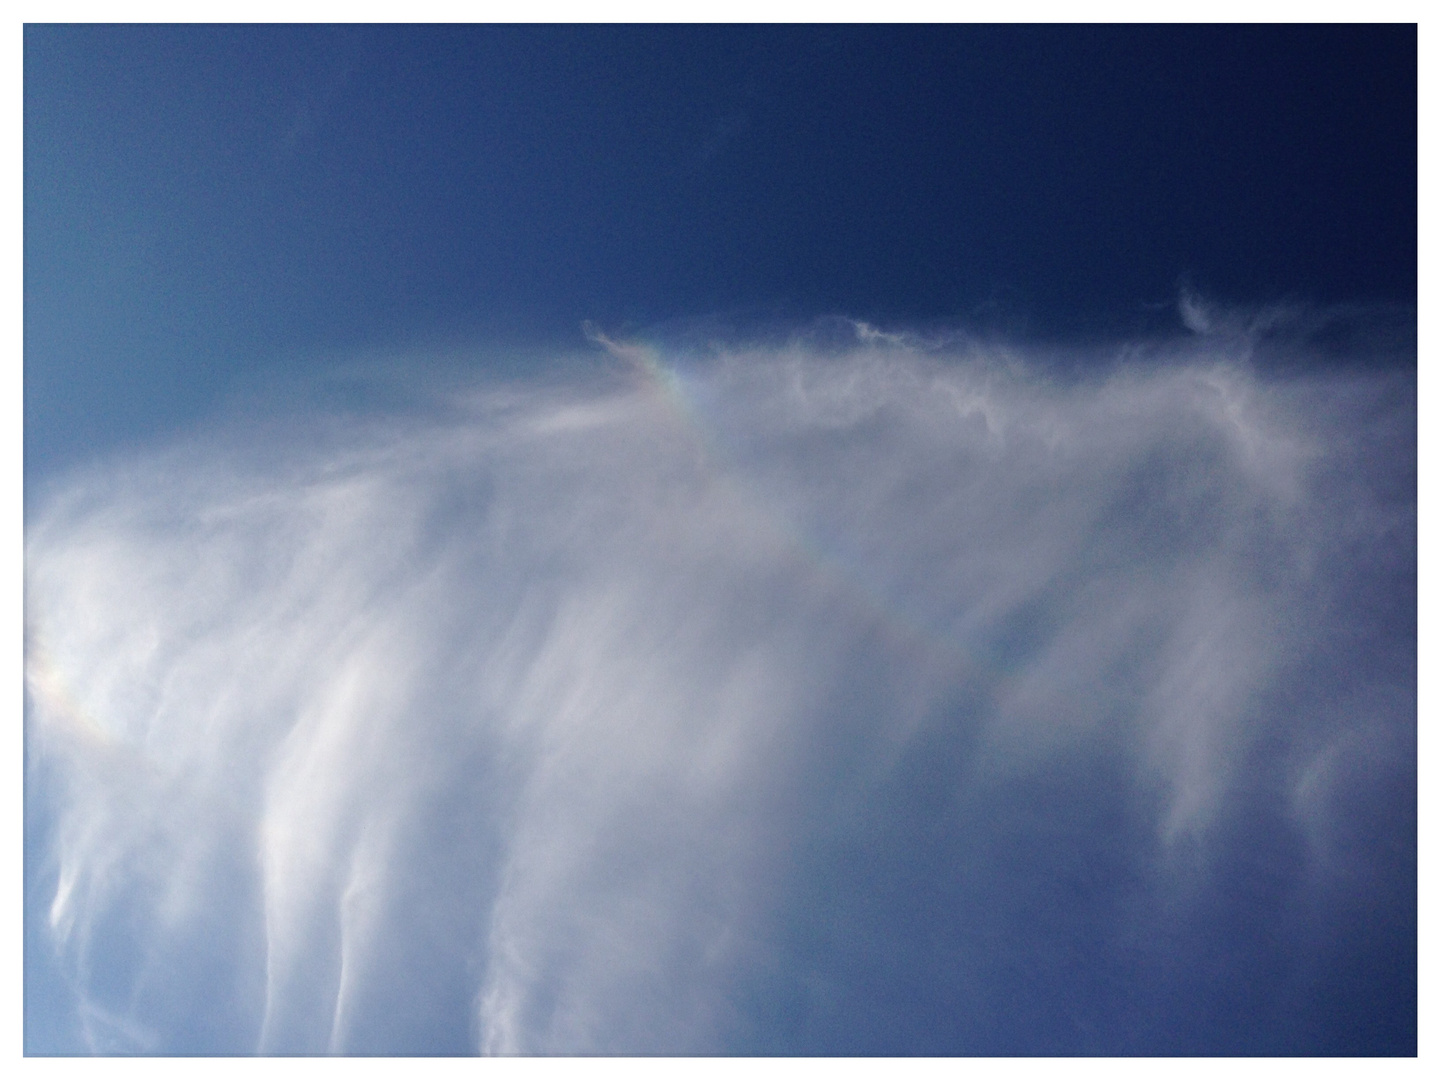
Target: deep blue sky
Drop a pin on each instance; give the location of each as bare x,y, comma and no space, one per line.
204,202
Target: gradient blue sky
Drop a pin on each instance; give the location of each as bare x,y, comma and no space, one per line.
201,201
537,412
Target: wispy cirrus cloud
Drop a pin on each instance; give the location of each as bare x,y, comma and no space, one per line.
786,698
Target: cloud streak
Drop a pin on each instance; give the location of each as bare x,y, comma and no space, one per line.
874,698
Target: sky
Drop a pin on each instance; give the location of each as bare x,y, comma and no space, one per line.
720,540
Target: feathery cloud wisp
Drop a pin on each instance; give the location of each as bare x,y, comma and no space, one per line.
785,700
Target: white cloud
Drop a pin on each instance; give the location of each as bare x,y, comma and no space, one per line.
528,701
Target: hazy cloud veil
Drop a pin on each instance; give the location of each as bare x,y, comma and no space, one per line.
829,696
